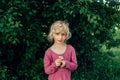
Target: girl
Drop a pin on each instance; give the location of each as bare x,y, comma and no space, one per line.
60,58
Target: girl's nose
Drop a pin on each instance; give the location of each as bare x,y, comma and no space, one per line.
60,36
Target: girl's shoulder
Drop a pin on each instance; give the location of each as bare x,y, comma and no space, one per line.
70,47
47,50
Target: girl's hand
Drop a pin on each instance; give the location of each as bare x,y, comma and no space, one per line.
58,62
63,63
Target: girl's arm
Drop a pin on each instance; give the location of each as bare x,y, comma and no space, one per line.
49,66
72,64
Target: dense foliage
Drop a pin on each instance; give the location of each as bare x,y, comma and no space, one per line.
24,26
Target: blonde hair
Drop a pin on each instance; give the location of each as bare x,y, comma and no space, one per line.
59,25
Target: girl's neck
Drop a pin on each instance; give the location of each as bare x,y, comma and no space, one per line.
58,48
59,45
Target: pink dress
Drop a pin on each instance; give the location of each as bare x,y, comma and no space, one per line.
58,73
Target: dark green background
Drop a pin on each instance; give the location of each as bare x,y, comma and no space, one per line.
24,26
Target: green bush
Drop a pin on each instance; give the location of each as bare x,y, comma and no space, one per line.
24,26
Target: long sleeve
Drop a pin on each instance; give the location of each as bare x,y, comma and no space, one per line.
72,64
49,65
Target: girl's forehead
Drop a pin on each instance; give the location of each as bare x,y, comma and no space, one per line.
60,31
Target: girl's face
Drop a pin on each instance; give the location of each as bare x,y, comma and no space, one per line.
59,36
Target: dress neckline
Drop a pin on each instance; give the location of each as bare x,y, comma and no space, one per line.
61,53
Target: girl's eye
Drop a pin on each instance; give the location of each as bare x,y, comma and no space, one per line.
57,33
63,34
